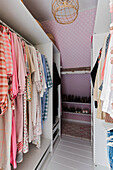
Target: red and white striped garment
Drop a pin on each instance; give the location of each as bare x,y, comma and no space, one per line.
3,73
7,51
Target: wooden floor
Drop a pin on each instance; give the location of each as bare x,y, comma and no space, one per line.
72,154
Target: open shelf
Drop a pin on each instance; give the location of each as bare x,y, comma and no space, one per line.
57,121
64,102
55,138
79,70
35,155
55,129
74,113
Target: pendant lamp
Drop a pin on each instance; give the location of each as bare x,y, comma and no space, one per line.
65,11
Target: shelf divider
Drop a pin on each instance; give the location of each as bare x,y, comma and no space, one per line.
74,113
75,103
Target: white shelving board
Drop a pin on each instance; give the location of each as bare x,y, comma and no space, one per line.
75,72
57,121
103,17
55,138
65,102
56,128
56,59
74,113
17,16
34,156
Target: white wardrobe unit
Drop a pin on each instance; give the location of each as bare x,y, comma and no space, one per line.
101,29
57,125
49,49
15,15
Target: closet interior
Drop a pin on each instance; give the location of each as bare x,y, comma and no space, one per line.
76,102
60,120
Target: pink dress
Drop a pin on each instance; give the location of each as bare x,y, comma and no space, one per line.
15,91
21,73
13,143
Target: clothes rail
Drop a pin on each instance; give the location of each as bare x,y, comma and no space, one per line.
1,22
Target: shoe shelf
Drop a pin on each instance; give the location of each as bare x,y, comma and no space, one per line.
75,113
79,70
68,102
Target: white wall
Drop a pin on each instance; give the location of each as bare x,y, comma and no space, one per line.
103,17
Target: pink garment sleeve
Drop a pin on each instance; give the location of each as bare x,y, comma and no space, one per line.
19,117
102,74
13,143
21,70
14,78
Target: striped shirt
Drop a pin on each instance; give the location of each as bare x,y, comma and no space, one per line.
6,69
3,77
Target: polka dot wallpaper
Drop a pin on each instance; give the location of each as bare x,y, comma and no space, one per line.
74,40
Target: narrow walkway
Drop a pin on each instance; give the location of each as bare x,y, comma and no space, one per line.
72,154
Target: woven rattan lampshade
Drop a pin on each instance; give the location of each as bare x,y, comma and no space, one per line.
65,11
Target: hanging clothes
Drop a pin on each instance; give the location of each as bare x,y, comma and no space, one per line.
94,71
43,84
21,74
6,68
107,45
13,143
31,69
45,74
98,82
6,71
105,95
49,84
95,68
36,103
21,70
36,84
5,138
25,80
14,77
110,147
42,75
25,135
15,92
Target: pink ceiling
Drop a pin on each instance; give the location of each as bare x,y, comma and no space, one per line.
74,40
